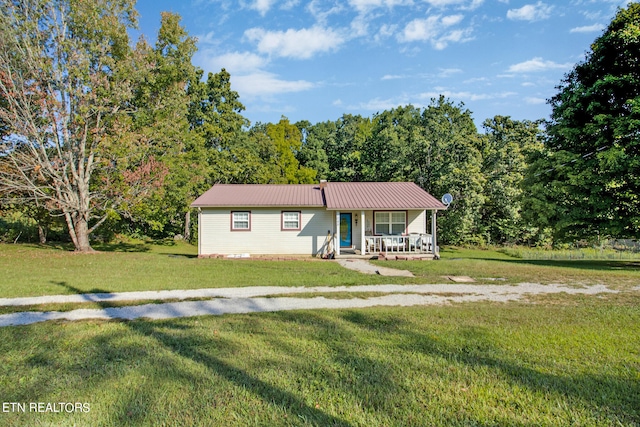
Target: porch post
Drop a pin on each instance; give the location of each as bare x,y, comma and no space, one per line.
337,234
363,247
199,231
433,232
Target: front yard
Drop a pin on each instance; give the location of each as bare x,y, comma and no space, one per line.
560,360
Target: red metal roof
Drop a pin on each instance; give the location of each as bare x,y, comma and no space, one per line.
337,196
250,195
378,195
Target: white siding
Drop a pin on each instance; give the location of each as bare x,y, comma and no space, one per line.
417,223
266,236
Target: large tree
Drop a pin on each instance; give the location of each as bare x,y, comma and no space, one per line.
588,181
63,81
506,146
444,158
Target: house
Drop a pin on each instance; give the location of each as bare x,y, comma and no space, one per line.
328,219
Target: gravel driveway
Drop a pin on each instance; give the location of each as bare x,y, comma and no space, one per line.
252,299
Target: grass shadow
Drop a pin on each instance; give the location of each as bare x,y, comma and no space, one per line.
122,247
194,349
618,398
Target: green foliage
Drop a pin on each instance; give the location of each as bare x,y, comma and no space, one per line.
215,110
164,134
506,147
587,181
287,140
64,66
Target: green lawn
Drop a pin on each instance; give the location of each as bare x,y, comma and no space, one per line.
554,360
572,363
29,270
489,266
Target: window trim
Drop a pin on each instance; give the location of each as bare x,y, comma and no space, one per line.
406,222
283,228
232,221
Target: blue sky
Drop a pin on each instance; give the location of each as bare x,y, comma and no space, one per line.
317,60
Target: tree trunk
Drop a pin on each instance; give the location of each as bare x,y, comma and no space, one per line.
187,226
42,235
78,231
82,235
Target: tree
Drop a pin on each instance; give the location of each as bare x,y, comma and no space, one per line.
287,141
506,147
445,158
344,142
385,155
588,180
312,155
162,101
216,110
62,74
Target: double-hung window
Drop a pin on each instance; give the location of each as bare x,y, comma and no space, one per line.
241,221
391,222
291,220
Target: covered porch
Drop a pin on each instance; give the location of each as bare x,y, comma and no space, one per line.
403,232
378,218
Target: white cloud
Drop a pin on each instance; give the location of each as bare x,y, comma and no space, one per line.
367,5
208,38
450,20
535,101
233,62
264,84
321,13
422,29
435,30
448,72
537,64
466,96
385,31
393,77
262,6
588,29
377,105
422,99
530,12
300,44
247,75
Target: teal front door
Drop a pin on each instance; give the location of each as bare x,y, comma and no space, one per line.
345,230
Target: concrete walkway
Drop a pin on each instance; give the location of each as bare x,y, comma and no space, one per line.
365,267
252,299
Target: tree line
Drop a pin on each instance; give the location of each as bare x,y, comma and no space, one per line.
101,136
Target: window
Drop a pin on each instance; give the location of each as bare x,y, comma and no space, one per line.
291,220
391,222
240,221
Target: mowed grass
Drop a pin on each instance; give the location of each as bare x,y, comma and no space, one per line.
576,362
27,270
490,266
30,270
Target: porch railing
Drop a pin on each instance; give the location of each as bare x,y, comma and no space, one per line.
412,243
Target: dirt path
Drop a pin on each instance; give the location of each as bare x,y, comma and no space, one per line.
252,299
